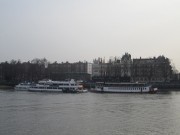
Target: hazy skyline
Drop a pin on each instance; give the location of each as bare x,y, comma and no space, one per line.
78,30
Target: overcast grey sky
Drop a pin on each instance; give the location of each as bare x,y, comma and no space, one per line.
73,30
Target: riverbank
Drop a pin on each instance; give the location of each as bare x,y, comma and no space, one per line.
6,87
174,86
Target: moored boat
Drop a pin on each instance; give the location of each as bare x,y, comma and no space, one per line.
23,86
111,87
69,86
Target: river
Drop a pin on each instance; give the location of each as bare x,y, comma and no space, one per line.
31,113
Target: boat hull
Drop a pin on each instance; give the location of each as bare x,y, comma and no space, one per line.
52,90
44,90
124,90
82,91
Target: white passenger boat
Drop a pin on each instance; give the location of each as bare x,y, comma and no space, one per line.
70,86
22,86
110,87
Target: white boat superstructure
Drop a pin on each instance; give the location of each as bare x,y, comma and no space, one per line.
56,86
110,87
23,86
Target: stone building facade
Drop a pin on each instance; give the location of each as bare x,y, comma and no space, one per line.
151,70
116,69
137,70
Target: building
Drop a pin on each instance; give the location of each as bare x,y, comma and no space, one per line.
78,71
151,70
99,68
137,70
126,65
116,69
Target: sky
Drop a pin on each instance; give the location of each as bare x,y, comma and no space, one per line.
81,30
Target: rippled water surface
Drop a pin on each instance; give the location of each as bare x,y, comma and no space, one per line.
27,113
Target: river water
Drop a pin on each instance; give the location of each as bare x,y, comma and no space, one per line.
28,113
